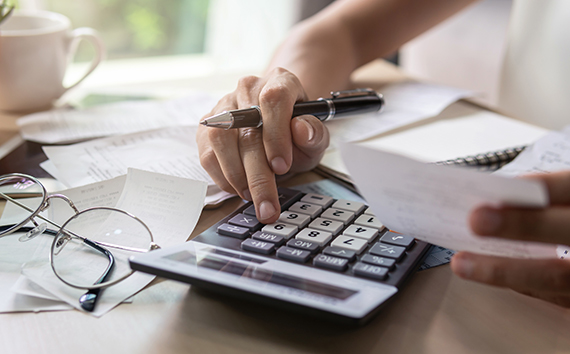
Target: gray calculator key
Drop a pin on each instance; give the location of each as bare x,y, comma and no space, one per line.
287,197
233,231
363,232
340,252
303,245
258,246
369,221
338,214
279,228
246,221
384,250
370,271
317,199
293,254
378,261
315,236
327,225
306,208
250,210
397,239
267,237
349,205
368,211
330,262
301,220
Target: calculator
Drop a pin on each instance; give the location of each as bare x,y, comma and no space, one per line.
329,257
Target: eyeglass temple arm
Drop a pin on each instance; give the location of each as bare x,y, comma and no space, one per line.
88,300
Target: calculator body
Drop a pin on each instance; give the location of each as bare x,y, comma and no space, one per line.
222,263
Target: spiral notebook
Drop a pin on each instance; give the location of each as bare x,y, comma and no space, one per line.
489,162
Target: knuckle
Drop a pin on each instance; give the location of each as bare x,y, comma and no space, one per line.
208,160
261,183
248,82
250,139
275,94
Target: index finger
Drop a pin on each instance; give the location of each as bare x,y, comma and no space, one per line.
276,102
558,185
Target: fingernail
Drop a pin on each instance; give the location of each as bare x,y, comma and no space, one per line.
266,210
487,221
462,267
310,129
279,166
246,194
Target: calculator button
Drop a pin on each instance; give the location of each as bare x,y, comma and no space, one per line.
370,221
350,243
384,250
378,261
397,239
303,245
282,229
298,219
349,205
233,231
327,225
250,210
293,254
317,199
338,214
368,211
329,262
340,252
370,271
265,236
258,246
288,197
363,232
246,221
305,208
317,236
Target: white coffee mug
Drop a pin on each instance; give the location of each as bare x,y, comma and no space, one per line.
35,50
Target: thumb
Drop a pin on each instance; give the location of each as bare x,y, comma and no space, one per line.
310,139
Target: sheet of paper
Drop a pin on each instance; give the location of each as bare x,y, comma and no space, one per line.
549,154
432,203
406,103
70,125
169,205
171,151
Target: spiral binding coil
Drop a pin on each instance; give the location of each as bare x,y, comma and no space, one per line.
490,161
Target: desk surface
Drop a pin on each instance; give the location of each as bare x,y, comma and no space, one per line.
435,313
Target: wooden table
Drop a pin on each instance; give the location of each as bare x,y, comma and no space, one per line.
435,313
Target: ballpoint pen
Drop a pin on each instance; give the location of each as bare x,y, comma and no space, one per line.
341,104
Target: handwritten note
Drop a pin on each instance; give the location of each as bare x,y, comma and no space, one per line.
432,203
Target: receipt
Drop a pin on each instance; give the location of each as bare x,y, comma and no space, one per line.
433,203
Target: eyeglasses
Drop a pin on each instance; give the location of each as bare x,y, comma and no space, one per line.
80,253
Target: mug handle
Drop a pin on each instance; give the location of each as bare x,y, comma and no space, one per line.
92,36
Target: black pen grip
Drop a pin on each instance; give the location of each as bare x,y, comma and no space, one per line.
344,106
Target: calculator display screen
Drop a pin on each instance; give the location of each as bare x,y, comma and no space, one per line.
253,271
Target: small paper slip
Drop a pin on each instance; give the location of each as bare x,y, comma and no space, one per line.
172,151
433,203
70,125
170,206
406,103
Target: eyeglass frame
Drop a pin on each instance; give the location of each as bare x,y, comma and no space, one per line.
99,246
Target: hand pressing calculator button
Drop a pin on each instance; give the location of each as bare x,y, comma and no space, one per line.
330,255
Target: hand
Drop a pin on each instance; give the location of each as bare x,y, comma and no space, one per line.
245,161
547,279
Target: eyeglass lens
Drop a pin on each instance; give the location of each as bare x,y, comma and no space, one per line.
22,190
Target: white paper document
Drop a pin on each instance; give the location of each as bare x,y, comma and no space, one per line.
433,203
170,206
548,154
172,151
406,103
71,125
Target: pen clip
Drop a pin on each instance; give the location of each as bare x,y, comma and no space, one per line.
354,93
